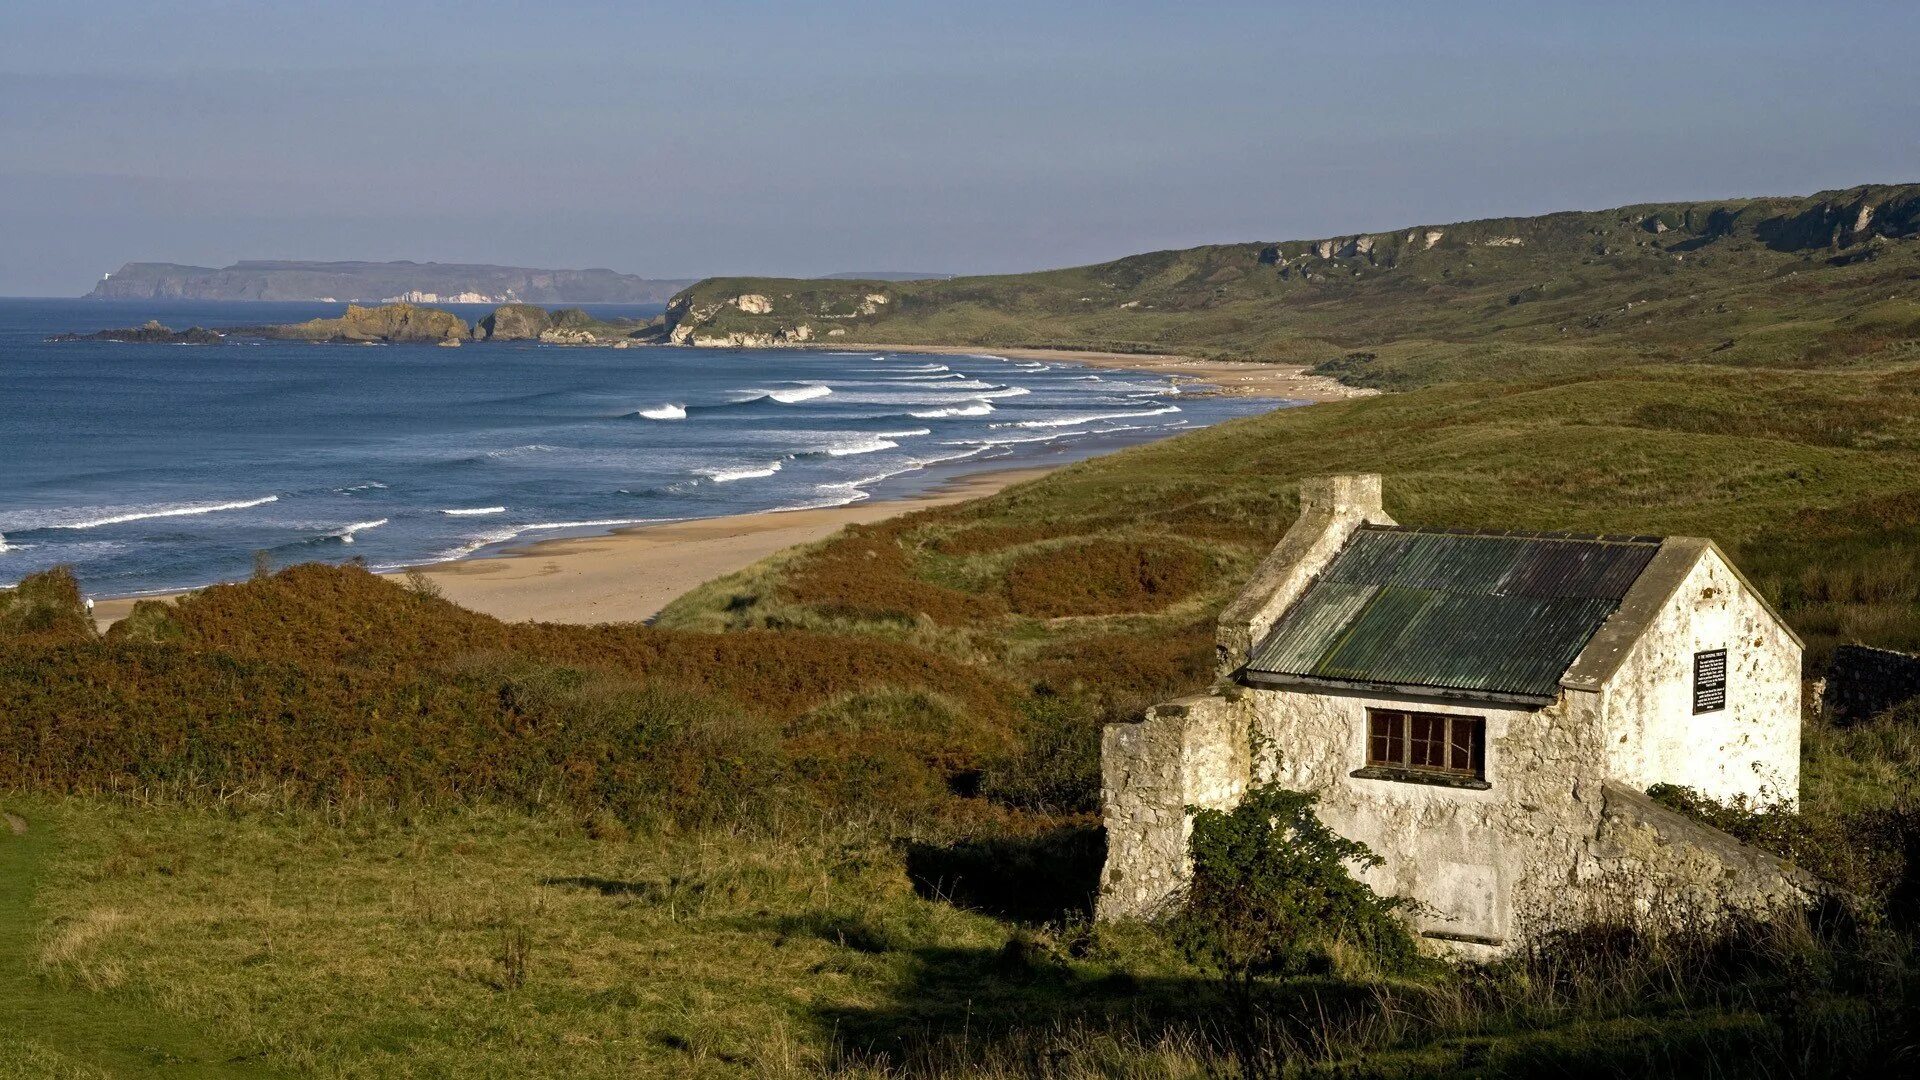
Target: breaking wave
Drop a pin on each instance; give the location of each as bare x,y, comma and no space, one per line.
187,510
1088,418
868,445
664,412
477,511
727,476
978,408
346,534
799,393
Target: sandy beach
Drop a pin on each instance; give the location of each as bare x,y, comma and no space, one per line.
631,574
1241,378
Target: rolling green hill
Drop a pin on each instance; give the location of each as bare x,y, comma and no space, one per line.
1755,282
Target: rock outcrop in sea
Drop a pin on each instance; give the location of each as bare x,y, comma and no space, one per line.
150,333
388,322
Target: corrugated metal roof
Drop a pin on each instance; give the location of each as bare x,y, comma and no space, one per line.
1492,613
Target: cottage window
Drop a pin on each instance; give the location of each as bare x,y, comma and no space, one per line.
1428,747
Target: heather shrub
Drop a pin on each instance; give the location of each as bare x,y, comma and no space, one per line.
864,574
47,606
987,539
1055,770
1105,577
330,685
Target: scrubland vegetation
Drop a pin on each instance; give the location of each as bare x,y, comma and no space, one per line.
836,813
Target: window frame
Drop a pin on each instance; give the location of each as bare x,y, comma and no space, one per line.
1403,744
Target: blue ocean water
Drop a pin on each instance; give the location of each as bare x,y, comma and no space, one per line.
155,467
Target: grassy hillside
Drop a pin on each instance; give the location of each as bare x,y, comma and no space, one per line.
831,816
834,814
1758,282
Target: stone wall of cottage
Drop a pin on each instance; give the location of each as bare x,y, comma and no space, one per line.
1748,749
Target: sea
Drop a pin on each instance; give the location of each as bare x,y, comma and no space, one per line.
149,468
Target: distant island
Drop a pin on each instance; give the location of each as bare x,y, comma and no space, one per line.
404,322
381,282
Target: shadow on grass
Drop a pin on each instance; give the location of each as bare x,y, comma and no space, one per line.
1050,877
1007,1013
1030,1008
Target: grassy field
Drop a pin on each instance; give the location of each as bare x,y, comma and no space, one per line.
834,814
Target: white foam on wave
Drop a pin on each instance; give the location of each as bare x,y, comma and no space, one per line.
475,511
869,445
943,458
668,411
930,378
6,547
187,510
964,383
1035,366
346,534
1086,378
361,487
1088,418
727,476
833,495
606,523
978,408
1005,391
516,451
902,434
799,393
1011,440
499,536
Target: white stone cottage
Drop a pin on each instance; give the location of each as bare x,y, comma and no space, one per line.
1485,710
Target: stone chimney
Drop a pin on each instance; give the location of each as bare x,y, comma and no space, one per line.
1331,508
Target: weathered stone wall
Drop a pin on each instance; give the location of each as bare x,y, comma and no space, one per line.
1864,681
1652,866
1482,863
1748,749
1191,752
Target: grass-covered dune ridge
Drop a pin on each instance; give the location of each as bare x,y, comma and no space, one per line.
1774,281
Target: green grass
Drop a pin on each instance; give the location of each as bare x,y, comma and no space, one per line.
218,940
60,1020
1750,283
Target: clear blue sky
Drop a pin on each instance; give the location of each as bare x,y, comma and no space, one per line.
694,138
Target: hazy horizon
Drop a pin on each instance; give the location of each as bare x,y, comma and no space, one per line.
670,141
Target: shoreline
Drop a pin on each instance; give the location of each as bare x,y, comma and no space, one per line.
630,574
1235,378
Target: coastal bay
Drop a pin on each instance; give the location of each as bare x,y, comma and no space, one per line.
630,574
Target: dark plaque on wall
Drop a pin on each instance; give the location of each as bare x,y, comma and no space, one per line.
1710,680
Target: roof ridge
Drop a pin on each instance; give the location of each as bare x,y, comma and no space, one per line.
1522,534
